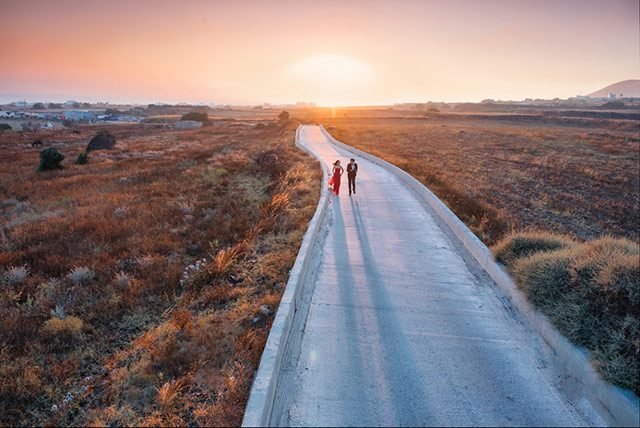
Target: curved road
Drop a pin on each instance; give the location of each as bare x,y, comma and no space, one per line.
401,330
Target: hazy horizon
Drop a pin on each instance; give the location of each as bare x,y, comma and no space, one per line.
330,53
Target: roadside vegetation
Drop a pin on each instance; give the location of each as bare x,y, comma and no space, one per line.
589,290
558,199
139,288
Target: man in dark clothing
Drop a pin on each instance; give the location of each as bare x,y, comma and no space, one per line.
352,170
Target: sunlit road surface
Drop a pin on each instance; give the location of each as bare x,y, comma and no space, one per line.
400,331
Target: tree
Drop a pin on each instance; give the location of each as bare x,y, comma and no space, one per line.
283,116
38,106
54,106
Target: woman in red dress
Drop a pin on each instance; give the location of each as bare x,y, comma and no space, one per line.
335,178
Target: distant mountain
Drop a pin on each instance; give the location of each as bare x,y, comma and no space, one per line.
628,88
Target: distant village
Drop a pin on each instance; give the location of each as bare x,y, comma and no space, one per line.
22,115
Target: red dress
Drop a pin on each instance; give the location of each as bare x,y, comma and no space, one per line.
335,180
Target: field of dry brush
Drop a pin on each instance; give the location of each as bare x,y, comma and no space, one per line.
139,288
500,175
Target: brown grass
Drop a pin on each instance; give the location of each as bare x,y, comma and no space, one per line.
119,320
499,175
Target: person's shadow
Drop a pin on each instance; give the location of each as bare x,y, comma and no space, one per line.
406,390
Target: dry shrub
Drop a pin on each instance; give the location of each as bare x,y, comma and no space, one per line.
168,394
63,334
590,291
21,379
516,246
225,258
182,319
229,409
122,273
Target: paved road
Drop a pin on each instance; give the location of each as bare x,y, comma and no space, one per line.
400,331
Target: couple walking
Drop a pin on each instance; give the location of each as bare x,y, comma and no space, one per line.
334,181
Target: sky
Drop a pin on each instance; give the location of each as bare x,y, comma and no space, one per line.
358,52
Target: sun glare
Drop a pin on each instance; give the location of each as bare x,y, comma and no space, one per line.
332,79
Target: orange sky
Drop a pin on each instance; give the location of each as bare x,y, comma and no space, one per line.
329,52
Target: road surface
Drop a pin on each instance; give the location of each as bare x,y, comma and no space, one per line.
401,329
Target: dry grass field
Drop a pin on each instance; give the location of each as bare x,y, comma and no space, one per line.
500,175
557,198
138,289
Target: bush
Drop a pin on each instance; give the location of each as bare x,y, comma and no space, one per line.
103,140
613,104
520,245
15,275
5,127
38,106
591,292
283,116
81,275
196,116
50,158
82,158
62,334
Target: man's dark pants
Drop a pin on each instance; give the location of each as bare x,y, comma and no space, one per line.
352,182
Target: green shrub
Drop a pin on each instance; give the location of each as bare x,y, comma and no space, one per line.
520,245
82,158
5,127
591,292
50,158
544,276
197,116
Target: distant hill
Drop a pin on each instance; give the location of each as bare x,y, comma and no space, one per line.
628,88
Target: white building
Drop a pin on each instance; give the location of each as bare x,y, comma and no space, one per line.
78,115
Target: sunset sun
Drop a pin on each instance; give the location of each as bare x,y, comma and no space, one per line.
332,79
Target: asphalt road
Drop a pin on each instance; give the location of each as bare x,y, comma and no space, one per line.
401,330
